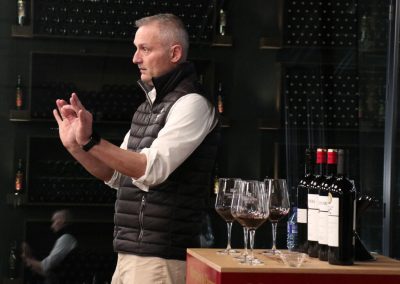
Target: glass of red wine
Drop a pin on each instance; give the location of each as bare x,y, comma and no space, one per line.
252,211
279,206
235,200
226,187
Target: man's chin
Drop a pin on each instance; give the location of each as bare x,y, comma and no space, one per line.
146,80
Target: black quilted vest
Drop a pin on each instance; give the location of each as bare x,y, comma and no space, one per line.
167,220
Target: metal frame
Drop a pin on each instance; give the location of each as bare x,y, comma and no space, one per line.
390,125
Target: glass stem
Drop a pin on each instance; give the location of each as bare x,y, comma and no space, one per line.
245,234
252,233
229,228
274,224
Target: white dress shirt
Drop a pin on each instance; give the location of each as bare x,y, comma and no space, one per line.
189,121
62,247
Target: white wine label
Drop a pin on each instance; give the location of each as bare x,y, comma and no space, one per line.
323,228
313,216
333,231
313,201
333,207
301,215
323,203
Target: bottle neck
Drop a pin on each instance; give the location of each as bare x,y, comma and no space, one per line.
331,169
320,169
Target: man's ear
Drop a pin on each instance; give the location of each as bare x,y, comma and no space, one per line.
176,53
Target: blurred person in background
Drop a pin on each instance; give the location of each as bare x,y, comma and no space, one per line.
50,266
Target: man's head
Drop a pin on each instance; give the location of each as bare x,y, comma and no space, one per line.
162,43
60,219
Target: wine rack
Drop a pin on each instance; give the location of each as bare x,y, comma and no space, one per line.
372,97
321,97
55,178
322,23
115,19
110,103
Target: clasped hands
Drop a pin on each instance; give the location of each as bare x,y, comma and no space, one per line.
74,122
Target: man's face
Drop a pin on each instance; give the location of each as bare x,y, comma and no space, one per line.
57,222
153,56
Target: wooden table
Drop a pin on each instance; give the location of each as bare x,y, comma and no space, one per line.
205,266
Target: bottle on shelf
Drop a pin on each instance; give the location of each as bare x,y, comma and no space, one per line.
216,177
341,218
302,204
331,169
19,94
12,261
313,209
21,12
292,232
222,22
19,179
220,99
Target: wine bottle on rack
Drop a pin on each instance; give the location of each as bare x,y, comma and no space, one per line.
19,179
18,94
302,195
341,218
331,169
313,208
222,22
12,261
22,12
220,99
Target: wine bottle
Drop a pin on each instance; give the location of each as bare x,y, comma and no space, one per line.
12,261
19,179
220,102
222,22
331,170
22,12
302,194
313,209
341,218
18,94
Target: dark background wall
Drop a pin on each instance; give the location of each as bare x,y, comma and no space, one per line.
250,78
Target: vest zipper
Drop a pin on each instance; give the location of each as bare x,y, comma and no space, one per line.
141,214
146,91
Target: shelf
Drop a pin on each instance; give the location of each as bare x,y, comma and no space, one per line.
20,115
223,41
270,43
224,121
21,31
16,200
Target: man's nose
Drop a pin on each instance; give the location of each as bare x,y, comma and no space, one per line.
136,58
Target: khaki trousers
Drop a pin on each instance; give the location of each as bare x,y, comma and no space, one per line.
133,269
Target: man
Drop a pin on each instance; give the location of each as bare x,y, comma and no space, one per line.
163,169
64,245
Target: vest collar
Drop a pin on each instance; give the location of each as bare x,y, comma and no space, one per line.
166,83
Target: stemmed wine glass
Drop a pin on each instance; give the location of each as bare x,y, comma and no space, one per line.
235,200
279,206
223,202
252,211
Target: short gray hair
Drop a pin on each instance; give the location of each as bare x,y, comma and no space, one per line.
172,29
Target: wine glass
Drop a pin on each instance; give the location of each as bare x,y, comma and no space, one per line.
252,211
279,206
235,200
223,203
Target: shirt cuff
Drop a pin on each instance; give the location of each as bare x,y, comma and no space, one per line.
142,182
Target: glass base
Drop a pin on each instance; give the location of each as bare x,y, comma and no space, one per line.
271,252
228,252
